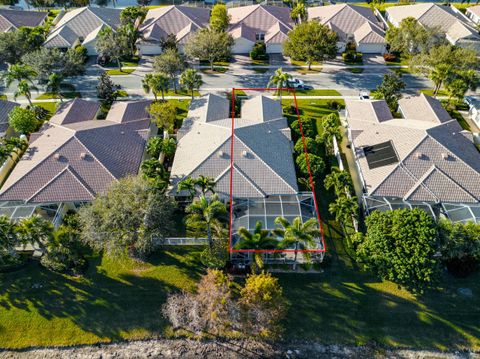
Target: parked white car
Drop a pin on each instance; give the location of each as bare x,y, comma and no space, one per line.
294,83
364,95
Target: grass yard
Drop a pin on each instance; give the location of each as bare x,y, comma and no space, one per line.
216,70
305,70
116,299
182,111
49,106
303,63
65,95
429,92
117,72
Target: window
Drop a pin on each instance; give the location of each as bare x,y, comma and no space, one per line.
260,37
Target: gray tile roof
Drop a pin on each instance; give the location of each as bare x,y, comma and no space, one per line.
347,20
179,20
262,150
273,21
73,160
80,23
456,26
437,162
13,19
5,108
129,111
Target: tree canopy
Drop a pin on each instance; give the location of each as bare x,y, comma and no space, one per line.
210,45
219,18
390,90
171,63
23,120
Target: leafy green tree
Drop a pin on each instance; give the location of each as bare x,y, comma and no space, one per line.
206,184
263,306
171,63
133,15
106,90
191,80
128,218
339,180
280,80
317,165
24,88
209,45
307,127
23,120
440,74
345,209
9,240
460,246
113,44
260,239
330,128
164,114
15,44
18,73
154,146
457,86
218,254
203,213
300,234
411,38
54,86
390,90
311,145
219,18
311,41
400,246
129,34
299,12
10,146
157,83
169,146
156,173
169,42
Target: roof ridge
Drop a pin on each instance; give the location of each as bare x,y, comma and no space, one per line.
98,17
254,7
455,183
66,22
179,7
266,165
419,183
11,23
247,178
264,8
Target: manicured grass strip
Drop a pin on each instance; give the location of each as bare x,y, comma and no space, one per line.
117,72
116,299
49,106
216,70
305,71
429,92
303,63
65,95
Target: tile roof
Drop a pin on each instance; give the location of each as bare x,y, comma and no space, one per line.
78,110
80,23
176,19
13,19
273,21
262,150
454,24
347,20
73,160
129,111
474,10
5,108
437,162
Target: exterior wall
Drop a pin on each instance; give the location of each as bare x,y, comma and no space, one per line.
149,49
91,47
242,46
274,48
473,17
371,48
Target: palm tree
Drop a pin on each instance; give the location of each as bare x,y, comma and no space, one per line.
330,129
439,74
154,146
191,79
341,181
156,83
24,89
260,239
169,145
205,212
344,208
18,73
206,184
11,146
34,229
189,185
301,235
152,168
279,80
54,85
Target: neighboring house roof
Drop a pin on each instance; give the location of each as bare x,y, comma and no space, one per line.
13,19
350,20
82,24
74,157
454,24
263,160
434,160
475,10
273,21
5,108
179,20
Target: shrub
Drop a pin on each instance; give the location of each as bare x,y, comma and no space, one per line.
259,51
333,105
390,57
82,52
307,127
352,56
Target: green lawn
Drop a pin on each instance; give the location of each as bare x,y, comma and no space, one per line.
116,299
181,92
216,70
305,70
319,92
303,63
429,92
65,95
49,106
182,111
117,72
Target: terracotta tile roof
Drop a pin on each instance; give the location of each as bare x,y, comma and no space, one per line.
76,159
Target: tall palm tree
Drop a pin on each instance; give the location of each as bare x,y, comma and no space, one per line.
206,184
330,129
24,89
154,146
205,212
260,239
191,79
189,185
439,74
279,80
34,229
157,83
54,85
169,145
300,235
18,73
344,208
341,181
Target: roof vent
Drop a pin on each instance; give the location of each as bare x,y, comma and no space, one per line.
123,132
244,154
56,156
419,155
445,156
83,155
220,153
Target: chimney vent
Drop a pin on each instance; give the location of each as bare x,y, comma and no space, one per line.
445,156
123,132
57,156
220,153
244,153
83,155
419,155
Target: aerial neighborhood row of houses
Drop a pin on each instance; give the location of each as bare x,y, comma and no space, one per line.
249,24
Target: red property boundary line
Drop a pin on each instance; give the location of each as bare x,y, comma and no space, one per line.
312,183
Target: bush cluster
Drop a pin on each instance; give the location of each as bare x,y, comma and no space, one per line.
259,51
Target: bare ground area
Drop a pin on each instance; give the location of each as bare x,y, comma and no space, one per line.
220,349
